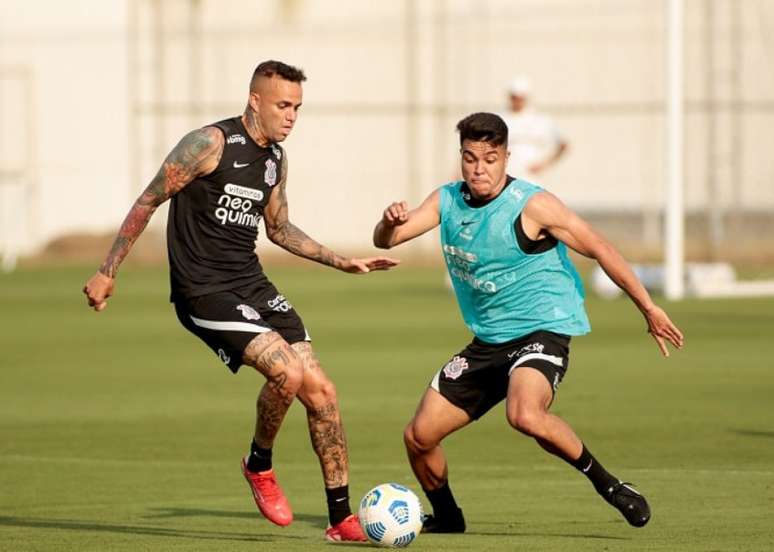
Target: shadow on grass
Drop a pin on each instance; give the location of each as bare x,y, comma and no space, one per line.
512,531
170,512
517,533
753,433
88,525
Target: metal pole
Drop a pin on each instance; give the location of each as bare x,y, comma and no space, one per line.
412,92
159,84
195,61
713,213
133,82
674,287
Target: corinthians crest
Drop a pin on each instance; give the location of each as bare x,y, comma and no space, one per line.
248,312
270,176
455,367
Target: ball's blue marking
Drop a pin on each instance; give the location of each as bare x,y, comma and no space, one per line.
375,531
371,499
404,540
399,510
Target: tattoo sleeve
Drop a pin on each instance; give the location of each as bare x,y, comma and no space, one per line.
197,153
287,235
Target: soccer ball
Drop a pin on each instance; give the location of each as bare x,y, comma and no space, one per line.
390,515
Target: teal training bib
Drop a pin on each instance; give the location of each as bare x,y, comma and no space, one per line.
503,292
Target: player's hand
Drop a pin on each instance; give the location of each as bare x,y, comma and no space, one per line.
662,329
97,290
396,214
363,266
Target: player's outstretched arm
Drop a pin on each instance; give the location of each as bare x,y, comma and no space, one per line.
544,213
290,237
398,224
198,153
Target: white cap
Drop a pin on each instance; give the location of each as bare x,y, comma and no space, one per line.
519,86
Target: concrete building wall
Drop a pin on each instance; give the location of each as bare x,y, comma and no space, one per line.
94,93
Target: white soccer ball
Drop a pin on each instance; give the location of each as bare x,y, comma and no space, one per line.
390,515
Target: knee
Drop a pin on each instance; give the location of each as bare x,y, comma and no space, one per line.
317,392
415,441
526,420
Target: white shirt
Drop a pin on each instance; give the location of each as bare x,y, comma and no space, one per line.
532,138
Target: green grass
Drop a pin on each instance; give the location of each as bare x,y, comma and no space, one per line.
120,431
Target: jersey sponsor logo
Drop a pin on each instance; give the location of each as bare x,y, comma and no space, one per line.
455,367
270,176
224,357
238,165
236,139
276,151
243,191
235,204
460,266
248,312
279,304
460,253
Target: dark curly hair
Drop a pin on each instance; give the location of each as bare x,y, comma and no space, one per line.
483,127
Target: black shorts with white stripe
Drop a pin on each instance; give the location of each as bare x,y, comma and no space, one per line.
228,320
476,378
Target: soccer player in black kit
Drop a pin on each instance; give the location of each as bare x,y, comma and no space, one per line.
222,179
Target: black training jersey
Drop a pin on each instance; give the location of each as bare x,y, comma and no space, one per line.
213,221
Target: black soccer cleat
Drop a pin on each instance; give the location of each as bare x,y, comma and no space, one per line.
451,524
629,502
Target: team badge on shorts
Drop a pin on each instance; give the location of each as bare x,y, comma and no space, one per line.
248,312
455,367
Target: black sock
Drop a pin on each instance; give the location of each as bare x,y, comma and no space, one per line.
591,468
442,500
338,504
259,459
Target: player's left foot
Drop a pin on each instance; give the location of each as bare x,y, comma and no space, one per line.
451,524
629,502
347,530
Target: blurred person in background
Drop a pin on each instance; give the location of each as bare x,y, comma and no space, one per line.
505,244
222,179
534,140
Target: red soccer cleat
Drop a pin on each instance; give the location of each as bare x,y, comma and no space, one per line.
347,530
268,496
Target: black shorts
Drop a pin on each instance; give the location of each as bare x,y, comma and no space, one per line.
228,320
477,378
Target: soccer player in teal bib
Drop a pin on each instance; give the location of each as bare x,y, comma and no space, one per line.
505,244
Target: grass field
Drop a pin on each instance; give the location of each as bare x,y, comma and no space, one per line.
120,431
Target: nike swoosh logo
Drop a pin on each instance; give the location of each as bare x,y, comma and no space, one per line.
586,470
240,165
466,222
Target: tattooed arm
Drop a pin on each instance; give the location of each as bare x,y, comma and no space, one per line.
198,153
287,235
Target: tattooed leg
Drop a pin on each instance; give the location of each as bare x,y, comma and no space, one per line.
318,394
273,357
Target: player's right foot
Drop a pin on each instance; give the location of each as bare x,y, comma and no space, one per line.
268,495
348,530
450,524
629,502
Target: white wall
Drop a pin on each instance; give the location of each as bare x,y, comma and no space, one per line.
596,65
